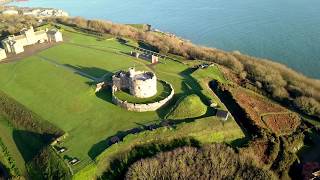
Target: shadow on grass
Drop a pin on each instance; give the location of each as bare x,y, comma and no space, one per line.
98,148
29,143
93,73
191,85
147,46
105,94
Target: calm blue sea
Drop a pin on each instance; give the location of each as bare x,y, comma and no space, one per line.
287,31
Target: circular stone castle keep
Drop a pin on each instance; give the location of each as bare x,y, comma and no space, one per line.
140,84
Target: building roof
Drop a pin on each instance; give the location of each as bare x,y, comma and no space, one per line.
222,113
53,31
39,32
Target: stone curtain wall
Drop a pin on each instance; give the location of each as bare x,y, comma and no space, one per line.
143,107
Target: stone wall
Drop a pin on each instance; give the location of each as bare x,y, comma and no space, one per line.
143,107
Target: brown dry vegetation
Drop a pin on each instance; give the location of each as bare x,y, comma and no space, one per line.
11,24
282,124
255,106
262,150
216,161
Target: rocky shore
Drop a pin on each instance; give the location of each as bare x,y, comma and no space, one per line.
28,11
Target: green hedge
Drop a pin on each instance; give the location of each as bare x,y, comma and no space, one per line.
48,165
22,118
11,163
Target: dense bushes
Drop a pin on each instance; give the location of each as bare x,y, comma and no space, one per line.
216,161
119,165
11,24
21,118
308,105
48,165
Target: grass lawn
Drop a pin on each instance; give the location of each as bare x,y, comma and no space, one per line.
163,91
49,84
188,107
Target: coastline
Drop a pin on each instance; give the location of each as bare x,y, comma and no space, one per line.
38,12
4,2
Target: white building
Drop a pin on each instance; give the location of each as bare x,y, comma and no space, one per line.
10,12
54,35
15,44
3,54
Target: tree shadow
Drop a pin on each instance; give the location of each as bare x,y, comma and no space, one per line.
101,146
188,86
30,143
105,94
192,85
148,46
93,73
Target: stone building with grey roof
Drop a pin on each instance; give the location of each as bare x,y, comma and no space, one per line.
15,44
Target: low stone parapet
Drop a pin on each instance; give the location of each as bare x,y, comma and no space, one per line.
143,107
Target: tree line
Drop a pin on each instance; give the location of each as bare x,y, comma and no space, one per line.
215,161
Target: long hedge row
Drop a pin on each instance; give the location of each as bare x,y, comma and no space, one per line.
22,118
44,163
11,163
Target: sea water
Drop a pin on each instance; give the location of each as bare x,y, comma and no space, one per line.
287,31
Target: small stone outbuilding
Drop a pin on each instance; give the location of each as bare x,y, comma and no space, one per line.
222,114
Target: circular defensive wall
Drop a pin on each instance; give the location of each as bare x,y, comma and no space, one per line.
128,101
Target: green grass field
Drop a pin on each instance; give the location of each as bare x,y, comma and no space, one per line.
54,84
188,107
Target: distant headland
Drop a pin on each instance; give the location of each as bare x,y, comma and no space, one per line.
38,12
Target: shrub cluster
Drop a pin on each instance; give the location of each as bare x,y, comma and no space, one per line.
216,161
11,24
48,165
120,162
